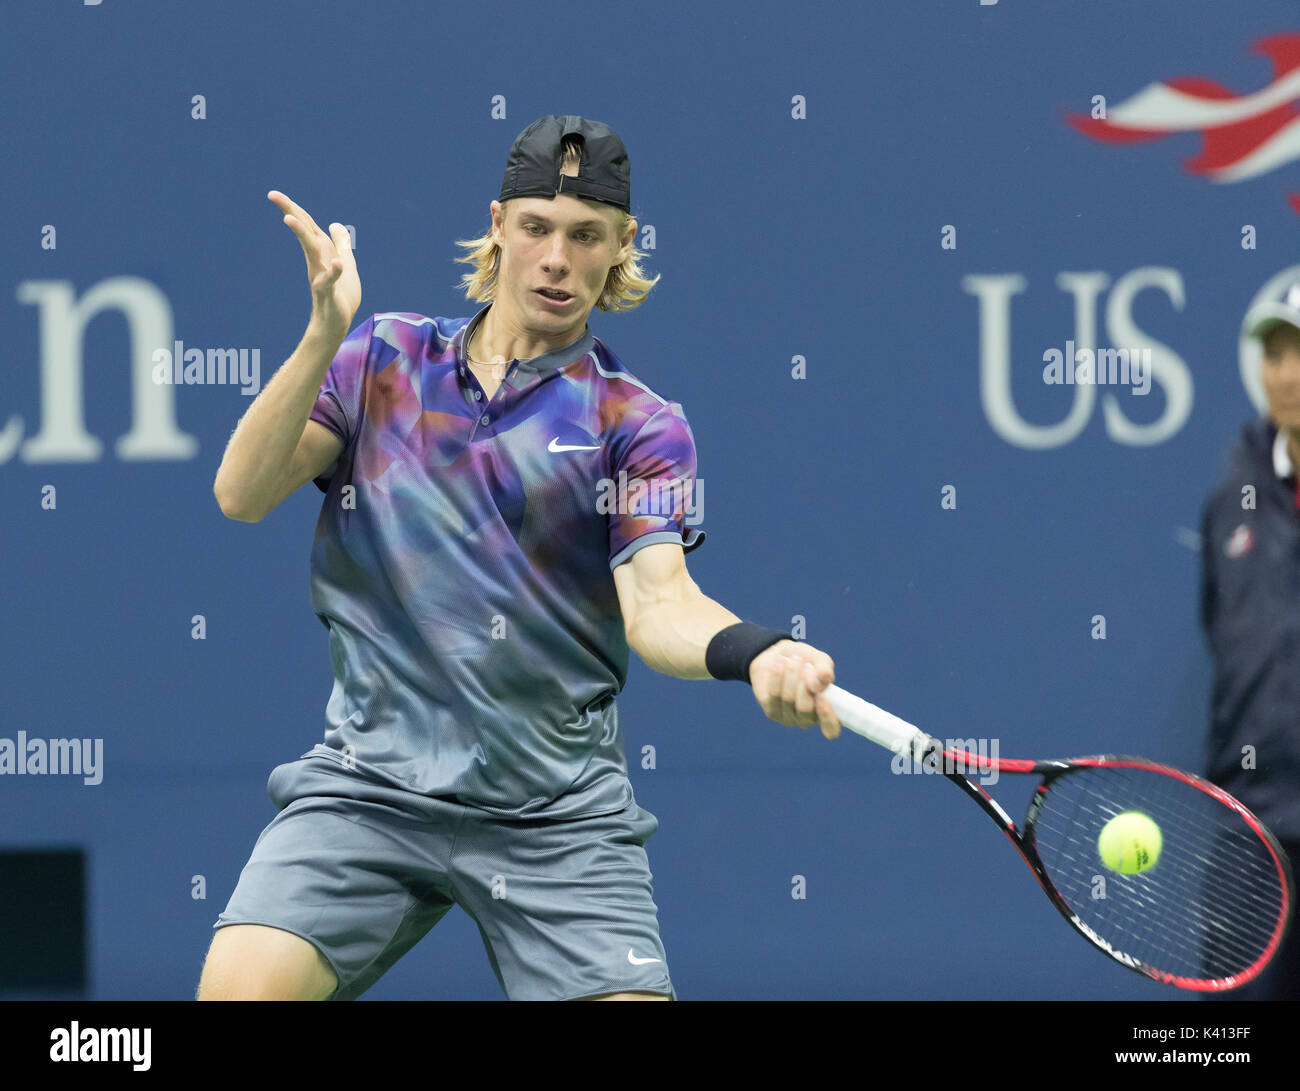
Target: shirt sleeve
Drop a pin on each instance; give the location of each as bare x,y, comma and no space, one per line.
340,401
655,494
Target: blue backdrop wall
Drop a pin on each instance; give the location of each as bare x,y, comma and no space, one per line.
891,196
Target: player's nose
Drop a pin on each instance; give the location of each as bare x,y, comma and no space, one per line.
556,258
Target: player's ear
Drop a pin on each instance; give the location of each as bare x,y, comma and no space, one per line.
498,213
625,243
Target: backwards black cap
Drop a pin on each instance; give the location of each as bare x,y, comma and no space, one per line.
533,169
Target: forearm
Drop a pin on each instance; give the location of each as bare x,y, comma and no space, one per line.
261,449
672,636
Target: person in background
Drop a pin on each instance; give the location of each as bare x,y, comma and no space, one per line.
1250,611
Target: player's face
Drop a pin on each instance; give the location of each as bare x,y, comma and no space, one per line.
1280,372
562,243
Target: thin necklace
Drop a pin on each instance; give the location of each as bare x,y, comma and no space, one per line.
470,358
482,363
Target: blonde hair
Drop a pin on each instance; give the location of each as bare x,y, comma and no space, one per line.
625,288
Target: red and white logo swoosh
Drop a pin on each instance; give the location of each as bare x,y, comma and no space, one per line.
1243,135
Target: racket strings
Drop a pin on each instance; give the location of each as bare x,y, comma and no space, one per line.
1166,945
1144,904
1243,868
1207,909
1156,911
1155,919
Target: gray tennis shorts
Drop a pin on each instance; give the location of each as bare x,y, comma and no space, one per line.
363,870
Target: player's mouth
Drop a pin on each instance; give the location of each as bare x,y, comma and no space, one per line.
556,297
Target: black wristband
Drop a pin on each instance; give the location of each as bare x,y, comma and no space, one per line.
733,649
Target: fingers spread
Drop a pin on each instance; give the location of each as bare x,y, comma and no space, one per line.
315,242
297,211
343,244
309,242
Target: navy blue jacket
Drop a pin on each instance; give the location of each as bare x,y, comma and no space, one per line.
1250,610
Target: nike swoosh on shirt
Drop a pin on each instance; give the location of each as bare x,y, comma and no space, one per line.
639,961
555,446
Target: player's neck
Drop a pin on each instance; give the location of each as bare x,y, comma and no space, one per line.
500,335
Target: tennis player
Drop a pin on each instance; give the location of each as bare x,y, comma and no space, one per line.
506,512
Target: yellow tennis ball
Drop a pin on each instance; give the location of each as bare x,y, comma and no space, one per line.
1129,843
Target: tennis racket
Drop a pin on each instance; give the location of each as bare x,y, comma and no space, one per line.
1208,915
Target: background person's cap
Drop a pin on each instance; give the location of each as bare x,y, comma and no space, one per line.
1270,315
533,167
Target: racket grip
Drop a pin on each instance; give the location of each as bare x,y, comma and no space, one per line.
881,727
